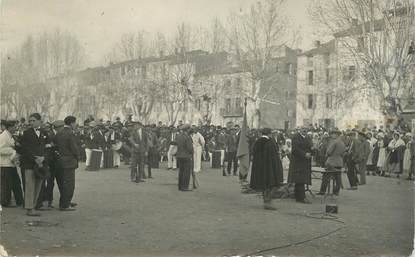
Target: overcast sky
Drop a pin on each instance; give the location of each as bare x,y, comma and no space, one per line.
99,24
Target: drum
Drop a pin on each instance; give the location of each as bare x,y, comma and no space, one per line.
108,159
216,160
96,156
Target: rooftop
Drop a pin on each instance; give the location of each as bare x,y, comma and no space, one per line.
325,48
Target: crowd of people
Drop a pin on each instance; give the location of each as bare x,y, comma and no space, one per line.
47,153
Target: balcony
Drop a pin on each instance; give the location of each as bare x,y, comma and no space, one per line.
233,112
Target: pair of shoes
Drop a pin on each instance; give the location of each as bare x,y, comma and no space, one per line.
9,206
116,167
32,213
352,188
87,168
67,209
139,180
268,206
150,177
408,178
306,201
186,190
320,193
73,204
43,208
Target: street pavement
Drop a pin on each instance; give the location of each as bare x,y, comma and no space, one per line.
116,217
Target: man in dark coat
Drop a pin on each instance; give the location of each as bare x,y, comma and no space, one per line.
231,149
141,144
34,142
68,149
300,164
267,171
184,157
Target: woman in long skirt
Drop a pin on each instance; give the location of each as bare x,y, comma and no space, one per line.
382,155
396,150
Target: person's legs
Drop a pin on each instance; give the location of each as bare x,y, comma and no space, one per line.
117,159
88,153
187,172
299,192
17,187
134,163
362,172
6,185
68,187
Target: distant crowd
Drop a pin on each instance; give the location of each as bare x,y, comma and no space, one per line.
105,144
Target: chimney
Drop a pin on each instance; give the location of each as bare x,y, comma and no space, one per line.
317,44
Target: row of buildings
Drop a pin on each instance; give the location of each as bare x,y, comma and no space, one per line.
321,86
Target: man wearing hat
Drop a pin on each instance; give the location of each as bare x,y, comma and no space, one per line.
267,172
334,162
68,148
363,152
45,200
300,164
231,148
184,157
141,144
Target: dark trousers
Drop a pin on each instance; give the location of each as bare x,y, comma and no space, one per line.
46,192
231,158
137,166
68,188
326,180
299,192
10,182
185,169
352,173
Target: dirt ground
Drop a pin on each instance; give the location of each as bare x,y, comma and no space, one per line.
116,217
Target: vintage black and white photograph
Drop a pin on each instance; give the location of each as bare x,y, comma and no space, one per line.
207,128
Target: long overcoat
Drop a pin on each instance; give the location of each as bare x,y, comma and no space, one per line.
300,166
267,169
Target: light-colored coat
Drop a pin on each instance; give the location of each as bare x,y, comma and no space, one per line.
7,151
335,152
198,145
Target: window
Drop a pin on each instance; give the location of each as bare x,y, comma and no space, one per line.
276,68
327,59
310,60
289,69
361,45
310,77
349,73
238,82
228,83
144,71
122,70
289,113
310,102
329,101
198,104
238,102
227,105
328,79
287,94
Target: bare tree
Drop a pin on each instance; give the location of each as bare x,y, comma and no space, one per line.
255,36
376,36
